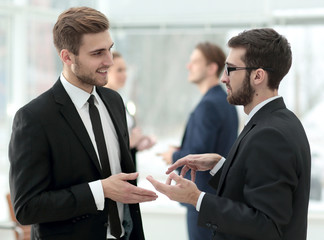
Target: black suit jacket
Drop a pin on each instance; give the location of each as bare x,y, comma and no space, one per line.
53,160
263,190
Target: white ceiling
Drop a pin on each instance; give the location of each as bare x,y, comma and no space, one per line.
212,13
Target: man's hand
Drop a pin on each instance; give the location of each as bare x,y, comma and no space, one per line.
167,155
146,142
195,162
135,136
118,189
184,191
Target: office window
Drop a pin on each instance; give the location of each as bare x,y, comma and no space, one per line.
4,88
43,61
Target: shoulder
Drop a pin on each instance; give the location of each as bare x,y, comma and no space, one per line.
280,127
215,100
109,94
39,104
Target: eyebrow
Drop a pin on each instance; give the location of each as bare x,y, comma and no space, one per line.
102,49
234,65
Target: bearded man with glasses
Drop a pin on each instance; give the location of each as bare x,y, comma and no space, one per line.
263,185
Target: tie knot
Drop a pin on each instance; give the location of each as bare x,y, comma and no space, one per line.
91,100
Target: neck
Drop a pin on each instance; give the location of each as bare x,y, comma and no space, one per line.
258,98
71,78
204,86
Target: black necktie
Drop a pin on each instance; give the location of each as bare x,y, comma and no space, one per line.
104,160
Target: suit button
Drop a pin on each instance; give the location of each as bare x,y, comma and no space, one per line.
208,225
106,224
74,221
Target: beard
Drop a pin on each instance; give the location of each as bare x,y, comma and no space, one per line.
244,95
86,78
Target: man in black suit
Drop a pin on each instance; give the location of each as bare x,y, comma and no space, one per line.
263,185
212,126
61,182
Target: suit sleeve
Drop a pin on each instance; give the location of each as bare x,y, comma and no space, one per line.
30,177
202,130
268,164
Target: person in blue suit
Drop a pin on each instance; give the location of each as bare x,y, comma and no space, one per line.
212,126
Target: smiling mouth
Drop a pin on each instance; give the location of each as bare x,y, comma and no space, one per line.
102,71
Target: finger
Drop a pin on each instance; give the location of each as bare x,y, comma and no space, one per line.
168,181
129,176
193,175
135,198
141,191
157,185
152,180
140,199
175,177
178,163
184,170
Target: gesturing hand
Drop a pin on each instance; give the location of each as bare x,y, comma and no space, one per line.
184,191
118,189
195,162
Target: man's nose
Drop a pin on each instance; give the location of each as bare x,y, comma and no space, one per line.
108,59
224,78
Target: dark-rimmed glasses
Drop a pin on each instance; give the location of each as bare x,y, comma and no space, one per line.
228,69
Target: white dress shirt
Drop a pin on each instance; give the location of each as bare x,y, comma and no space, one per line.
80,98
221,162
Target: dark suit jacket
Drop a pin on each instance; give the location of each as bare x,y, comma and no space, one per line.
53,160
263,191
211,128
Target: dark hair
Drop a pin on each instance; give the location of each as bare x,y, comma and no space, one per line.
265,48
73,23
213,54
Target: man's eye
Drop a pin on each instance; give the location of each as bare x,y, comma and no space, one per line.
97,53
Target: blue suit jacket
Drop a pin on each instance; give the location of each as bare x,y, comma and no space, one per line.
212,128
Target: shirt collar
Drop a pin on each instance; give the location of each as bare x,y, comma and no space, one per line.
78,96
258,107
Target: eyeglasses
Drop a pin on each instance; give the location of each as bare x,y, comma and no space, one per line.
228,69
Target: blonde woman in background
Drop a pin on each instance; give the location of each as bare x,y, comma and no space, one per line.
117,75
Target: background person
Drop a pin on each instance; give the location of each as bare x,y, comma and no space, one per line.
212,126
63,181
117,76
263,186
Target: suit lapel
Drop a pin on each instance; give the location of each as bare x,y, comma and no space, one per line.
232,154
259,115
127,164
72,117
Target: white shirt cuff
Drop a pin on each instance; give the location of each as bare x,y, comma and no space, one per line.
217,166
201,196
98,194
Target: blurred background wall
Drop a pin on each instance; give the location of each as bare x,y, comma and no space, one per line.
156,39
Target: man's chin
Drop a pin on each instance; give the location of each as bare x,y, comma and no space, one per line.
102,83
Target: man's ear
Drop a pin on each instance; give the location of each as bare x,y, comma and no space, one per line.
213,68
259,76
67,57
